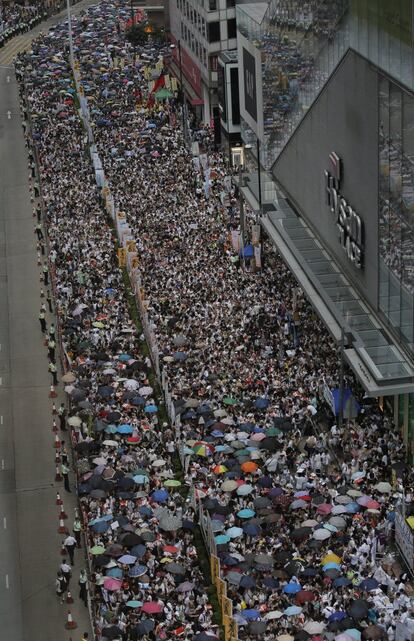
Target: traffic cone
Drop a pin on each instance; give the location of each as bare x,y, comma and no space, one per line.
58,476
46,342
58,499
62,529
63,550
52,393
70,623
69,598
54,410
57,442
39,260
76,513
54,427
62,514
57,457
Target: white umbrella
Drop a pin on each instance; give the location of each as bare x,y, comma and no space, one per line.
109,371
321,534
159,463
220,413
69,377
99,461
228,421
275,614
383,487
314,627
131,384
338,509
146,390
69,389
75,421
110,443
309,523
338,521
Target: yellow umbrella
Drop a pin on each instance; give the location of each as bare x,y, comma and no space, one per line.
330,558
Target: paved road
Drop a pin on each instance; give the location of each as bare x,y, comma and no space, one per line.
23,41
29,542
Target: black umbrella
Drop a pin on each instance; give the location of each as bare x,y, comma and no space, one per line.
300,533
203,636
129,540
257,627
261,502
84,447
98,494
293,568
358,609
270,444
113,632
100,560
144,626
113,417
301,635
175,568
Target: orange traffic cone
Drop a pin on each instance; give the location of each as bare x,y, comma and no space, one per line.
54,410
57,443
70,623
54,427
58,478
46,342
58,499
39,260
62,514
63,550
69,598
62,529
52,393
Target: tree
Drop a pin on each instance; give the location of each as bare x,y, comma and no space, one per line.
137,35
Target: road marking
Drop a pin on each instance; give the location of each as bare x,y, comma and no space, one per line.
1,419
9,115
4,522
7,78
7,581
2,463
1,380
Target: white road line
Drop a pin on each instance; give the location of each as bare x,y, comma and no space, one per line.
4,522
1,380
7,581
2,463
1,419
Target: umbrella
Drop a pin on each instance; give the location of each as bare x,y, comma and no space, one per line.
263,559
249,466
369,584
137,570
234,532
152,607
292,588
160,496
144,627
69,377
97,549
341,582
383,487
127,559
112,632
291,611
112,584
229,486
338,521
222,539
257,627
244,490
354,633
373,632
331,558
250,614
75,421
175,568
304,596
274,614
246,513
170,523
134,604
187,586
358,609
321,534
314,627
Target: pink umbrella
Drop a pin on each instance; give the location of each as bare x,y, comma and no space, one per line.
112,584
364,500
324,508
259,436
373,505
152,607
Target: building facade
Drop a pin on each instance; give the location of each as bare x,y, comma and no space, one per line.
204,28
327,105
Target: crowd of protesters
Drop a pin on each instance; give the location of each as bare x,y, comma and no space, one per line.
302,517
18,18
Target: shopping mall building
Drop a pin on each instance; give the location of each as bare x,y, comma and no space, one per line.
327,103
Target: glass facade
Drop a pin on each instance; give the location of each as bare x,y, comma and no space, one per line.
396,208
302,42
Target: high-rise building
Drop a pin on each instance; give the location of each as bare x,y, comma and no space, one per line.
327,105
201,29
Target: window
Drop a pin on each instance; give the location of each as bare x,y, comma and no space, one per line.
234,89
213,63
212,5
231,28
214,31
231,3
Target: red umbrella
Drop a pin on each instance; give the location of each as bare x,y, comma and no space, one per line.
324,508
304,596
152,607
171,549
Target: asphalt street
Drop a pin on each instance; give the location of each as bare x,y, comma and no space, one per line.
29,542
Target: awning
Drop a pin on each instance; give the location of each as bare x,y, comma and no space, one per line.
193,98
378,362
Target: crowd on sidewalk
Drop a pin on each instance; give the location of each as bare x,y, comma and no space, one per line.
301,518
18,18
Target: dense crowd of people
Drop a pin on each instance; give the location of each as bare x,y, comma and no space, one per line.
18,18
301,517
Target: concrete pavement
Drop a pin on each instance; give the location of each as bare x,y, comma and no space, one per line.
29,542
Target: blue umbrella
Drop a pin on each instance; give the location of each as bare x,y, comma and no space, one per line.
221,539
248,251
140,479
217,434
352,508
127,559
247,582
217,526
264,481
137,570
180,356
292,588
246,513
111,429
230,560
234,532
337,616
124,357
137,400
250,614
252,529
145,510
138,550
150,409
292,611
261,403
341,582
125,429
100,527
160,496
271,583
369,584
190,414
331,566
115,573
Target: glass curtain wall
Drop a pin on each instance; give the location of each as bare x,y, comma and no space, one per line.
396,203
302,42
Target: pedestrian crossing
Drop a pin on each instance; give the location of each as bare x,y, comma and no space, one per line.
13,47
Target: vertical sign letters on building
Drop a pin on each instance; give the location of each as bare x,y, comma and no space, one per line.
249,73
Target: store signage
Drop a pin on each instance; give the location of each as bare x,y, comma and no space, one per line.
249,74
349,223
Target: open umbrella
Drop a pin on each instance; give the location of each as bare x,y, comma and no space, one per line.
152,607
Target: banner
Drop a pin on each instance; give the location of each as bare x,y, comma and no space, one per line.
214,568
121,257
221,589
258,256
235,240
255,234
227,627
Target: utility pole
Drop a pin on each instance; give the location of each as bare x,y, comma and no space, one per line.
242,218
70,34
182,91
